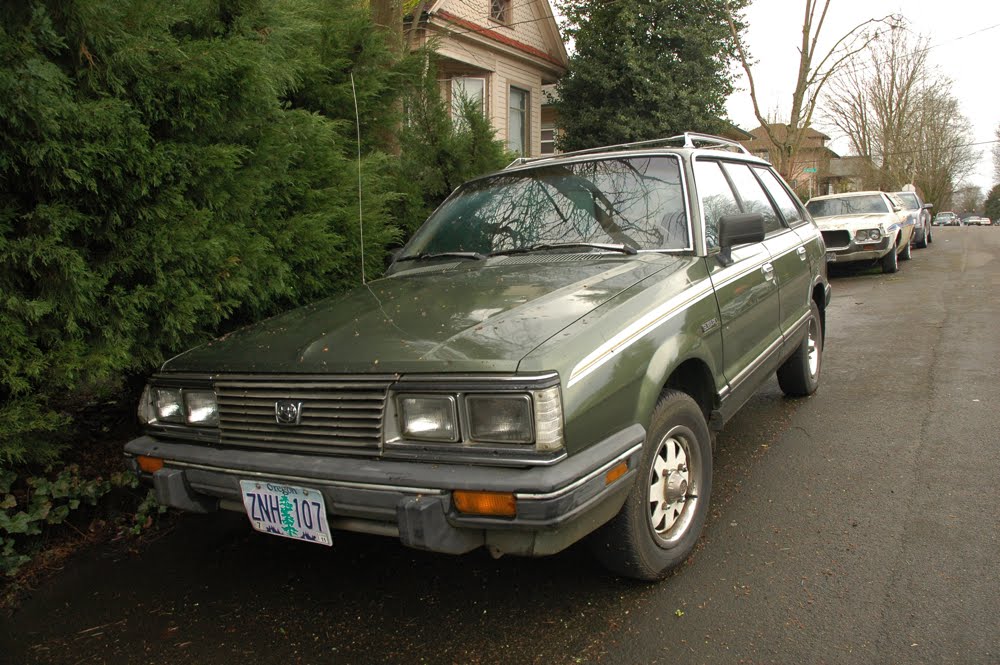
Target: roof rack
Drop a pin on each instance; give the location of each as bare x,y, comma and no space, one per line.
687,139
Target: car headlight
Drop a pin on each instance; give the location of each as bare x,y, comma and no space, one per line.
428,417
178,406
874,234
167,405
202,407
861,236
499,418
514,418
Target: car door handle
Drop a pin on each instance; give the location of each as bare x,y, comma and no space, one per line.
768,271
801,251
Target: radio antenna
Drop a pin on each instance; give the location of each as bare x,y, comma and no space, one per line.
361,226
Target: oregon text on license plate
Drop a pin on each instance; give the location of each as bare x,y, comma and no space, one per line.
286,510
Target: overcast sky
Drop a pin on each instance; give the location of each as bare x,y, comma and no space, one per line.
965,46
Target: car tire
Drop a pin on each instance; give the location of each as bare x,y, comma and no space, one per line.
890,262
651,534
924,238
930,236
906,253
799,375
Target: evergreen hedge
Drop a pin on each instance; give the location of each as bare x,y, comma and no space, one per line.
171,170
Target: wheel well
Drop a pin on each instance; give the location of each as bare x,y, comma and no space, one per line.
819,297
694,378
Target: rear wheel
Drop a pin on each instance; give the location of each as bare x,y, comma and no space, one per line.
890,262
665,512
799,375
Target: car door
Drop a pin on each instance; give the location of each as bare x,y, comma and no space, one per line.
746,289
801,250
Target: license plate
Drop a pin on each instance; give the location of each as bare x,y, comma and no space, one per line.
286,510
831,257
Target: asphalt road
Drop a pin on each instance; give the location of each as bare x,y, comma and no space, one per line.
857,526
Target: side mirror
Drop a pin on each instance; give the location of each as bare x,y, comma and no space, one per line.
738,230
896,208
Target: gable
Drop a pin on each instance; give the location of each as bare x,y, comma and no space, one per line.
531,31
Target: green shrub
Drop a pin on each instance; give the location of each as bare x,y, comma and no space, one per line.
166,174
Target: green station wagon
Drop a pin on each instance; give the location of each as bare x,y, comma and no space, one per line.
543,362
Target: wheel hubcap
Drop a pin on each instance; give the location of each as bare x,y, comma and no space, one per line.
813,348
672,486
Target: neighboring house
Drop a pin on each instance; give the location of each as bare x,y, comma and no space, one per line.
499,53
810,173
851,174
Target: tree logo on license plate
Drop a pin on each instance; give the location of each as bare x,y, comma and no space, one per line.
287,412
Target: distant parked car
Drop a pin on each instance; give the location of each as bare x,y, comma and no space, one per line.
915,207
864,226
945,219
975,220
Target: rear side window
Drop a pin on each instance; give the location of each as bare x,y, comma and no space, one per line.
786,203
717,198
753,196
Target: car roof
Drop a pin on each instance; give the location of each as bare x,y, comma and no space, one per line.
687,144
845,195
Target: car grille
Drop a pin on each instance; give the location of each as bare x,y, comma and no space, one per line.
336,412
837,239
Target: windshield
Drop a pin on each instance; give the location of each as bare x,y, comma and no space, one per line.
909,200
848,205
637,202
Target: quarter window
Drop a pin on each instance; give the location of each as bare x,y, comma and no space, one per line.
790,209
517,121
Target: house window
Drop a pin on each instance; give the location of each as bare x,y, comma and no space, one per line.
548,138
500,11
466,89
517,121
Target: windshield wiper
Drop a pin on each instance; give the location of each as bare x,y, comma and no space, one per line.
475,256
623,248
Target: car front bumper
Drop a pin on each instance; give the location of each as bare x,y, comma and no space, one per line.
556,505
859,252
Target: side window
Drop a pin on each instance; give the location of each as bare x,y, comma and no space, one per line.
717,198
753,196
789,207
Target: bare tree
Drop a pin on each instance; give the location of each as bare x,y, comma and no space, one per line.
899,113
996,157
814,72
968,200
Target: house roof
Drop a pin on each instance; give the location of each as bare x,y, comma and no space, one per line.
443,13
811,138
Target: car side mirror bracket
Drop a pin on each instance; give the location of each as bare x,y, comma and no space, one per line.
738,230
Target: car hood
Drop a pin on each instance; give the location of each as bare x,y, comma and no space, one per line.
852,222
468,317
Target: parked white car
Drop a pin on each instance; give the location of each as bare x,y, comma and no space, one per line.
921,212
864,226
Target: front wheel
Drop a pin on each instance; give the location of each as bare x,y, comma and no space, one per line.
905,254
799,375
665,511
925,238
890,262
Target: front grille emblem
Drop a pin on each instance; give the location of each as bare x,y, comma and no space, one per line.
287,412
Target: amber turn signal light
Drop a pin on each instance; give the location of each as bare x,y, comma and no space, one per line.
485,503
616,472
150,464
